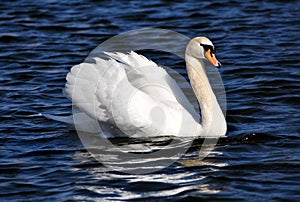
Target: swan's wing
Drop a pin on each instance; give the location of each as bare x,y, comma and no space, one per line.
152,79
103,91
81,85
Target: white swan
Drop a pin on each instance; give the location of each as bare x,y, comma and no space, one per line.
141,99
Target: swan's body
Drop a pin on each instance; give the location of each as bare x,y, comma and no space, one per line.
141,99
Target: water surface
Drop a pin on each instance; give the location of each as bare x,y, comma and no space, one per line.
258,45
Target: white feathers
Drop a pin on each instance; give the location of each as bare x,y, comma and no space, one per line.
131,92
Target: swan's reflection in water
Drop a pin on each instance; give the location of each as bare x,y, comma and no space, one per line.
119,181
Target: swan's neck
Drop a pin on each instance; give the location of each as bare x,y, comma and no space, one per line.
213,121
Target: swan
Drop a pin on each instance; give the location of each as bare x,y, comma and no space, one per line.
130,94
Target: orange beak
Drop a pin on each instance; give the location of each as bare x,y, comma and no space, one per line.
212,58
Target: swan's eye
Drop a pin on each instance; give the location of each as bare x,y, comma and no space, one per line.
208,47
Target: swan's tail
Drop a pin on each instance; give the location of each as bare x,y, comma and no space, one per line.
63,119
79,121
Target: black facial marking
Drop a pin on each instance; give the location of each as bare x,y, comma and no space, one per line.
208,47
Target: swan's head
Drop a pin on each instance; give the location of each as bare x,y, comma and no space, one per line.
202,48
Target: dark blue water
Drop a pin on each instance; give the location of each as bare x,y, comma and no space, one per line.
258,45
